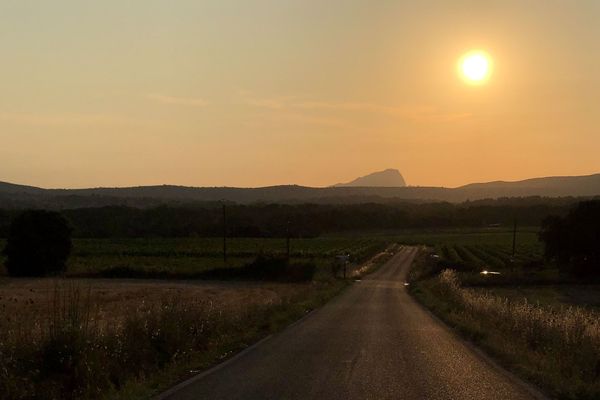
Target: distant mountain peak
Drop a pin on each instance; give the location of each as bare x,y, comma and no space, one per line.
386,178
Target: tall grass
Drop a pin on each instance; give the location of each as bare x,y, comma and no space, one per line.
556,347
75,352
70,353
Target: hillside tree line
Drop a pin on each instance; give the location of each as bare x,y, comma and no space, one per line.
302,220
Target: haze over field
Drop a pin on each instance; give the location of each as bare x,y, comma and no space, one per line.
237,93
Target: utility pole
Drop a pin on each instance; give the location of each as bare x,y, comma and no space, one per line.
514,247
224,234
287,236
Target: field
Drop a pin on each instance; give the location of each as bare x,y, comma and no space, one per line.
473,248
480,248
90,337
471,252
181,254
115,298
189,257
468,251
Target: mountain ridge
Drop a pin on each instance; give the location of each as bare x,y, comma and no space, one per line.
387,178
23,196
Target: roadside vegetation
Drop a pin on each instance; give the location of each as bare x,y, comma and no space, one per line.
557,347
536,311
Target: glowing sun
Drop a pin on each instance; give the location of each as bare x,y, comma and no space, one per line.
475,67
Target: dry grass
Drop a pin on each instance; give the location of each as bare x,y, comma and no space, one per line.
114,298
558,348
79,339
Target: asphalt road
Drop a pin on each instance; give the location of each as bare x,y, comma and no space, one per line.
372,342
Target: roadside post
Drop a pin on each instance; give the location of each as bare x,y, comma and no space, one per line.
224,234
287,237
514,244
342,260
514,247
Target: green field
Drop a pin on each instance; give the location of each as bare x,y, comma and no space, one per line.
188,256
470,249
477,250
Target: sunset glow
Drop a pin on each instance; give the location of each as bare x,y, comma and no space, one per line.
242,93
475,67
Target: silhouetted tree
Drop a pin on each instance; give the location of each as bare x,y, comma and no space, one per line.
574,241
39,243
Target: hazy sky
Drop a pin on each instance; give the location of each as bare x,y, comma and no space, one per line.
253,93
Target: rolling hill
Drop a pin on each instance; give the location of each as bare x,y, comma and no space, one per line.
21,196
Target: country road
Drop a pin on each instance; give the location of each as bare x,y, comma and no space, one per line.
372,342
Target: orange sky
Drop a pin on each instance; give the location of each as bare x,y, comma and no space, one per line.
254,93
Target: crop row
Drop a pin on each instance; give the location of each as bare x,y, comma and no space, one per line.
474,257
213,247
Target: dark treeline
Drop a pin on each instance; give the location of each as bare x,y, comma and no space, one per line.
306,220
574,240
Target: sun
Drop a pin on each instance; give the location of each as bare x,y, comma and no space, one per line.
475,67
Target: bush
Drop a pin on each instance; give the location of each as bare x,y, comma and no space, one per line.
39,243
269,267
278,268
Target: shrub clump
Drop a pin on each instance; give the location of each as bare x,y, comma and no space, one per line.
265,267
39,244
278,268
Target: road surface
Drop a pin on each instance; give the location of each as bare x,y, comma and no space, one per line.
371,342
